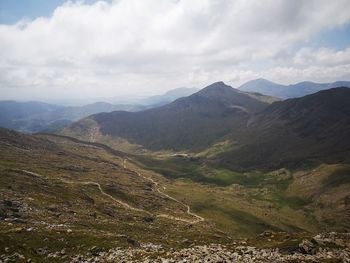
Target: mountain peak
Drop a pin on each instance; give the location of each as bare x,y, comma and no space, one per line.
216,87
218,84
223,94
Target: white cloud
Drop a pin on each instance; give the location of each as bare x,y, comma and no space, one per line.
131,46
323,56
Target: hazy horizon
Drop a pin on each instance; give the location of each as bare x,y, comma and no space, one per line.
129,99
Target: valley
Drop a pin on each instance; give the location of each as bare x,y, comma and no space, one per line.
216,171
75,197
262,154
174,131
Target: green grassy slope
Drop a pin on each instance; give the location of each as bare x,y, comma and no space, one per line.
245,203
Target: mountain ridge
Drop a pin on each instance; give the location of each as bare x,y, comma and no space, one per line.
195,121
37,116
297,131
289,133
299,89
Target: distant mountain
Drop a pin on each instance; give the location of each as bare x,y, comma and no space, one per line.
302,131
76,113
261,97
168,97
26,116
192,122
39,116
289,91
307,130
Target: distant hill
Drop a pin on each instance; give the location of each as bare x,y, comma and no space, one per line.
38,116
76,113
169,96
289,91
192,122
311,129
26,116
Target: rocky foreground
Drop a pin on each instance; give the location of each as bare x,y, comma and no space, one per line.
217,253
330,247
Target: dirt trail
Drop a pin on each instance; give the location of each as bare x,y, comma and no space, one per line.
127,206
188,208
108,195
99,188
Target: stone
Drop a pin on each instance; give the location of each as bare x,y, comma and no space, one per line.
307,247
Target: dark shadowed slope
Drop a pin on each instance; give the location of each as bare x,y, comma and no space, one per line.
311,129
193,122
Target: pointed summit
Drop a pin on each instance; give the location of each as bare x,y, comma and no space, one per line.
228,96
217,90
219,86
192,122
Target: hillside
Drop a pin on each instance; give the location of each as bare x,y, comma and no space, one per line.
60,194
295,132
65,198
289,91
244,132
193,122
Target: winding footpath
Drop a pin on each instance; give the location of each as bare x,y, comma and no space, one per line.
188,208
109,196
127,206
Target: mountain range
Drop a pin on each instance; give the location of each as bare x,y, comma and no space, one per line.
36,116
300,89
193,122
314,128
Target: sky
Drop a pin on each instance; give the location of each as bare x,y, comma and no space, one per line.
120,48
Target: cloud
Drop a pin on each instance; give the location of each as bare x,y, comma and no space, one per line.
144,47
323,56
